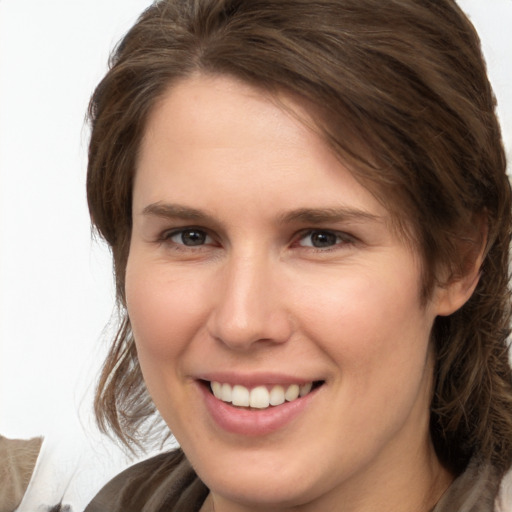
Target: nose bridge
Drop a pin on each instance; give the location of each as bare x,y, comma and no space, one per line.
249,307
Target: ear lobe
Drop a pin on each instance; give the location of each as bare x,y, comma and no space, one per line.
461,284
453,295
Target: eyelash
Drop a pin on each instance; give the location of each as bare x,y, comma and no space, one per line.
167,236
340,239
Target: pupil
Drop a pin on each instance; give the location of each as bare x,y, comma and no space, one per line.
323,239
193,237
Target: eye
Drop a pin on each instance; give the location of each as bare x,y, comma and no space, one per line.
190,237
322,239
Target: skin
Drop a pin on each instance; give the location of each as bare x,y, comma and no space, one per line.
255,295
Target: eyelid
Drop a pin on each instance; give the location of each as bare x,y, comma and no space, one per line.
343,238
166,236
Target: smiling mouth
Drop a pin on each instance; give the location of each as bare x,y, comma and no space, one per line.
261,397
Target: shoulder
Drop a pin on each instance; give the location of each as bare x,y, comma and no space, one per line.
476,489
165,482
18,459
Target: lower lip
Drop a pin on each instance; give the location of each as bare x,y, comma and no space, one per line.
254,422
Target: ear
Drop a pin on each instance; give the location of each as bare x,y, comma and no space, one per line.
452,296
457,288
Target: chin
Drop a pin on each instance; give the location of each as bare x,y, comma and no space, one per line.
272,480
261,491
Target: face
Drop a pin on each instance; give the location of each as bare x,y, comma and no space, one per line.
259,268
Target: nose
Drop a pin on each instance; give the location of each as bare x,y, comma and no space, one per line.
249,307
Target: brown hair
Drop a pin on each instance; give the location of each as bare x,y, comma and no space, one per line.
401,94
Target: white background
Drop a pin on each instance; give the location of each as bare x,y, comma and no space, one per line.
56,293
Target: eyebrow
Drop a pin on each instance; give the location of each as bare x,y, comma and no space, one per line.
175,211
326,215
301,215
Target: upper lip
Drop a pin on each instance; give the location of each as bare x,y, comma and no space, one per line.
251,380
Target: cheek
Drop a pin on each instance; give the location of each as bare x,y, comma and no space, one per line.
377,336
166,313
165,310
372,326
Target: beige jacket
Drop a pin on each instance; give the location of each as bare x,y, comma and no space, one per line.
17,461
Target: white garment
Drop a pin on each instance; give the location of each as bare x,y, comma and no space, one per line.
504,501
70,470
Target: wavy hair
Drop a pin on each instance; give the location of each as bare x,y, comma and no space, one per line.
399,91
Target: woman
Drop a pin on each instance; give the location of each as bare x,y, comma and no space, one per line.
309,216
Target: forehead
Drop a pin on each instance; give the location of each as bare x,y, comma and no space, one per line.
239,140
215,112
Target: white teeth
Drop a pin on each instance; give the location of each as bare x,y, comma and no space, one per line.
259,397
304,390
217,389
226,393
277,395
292,393
240,396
